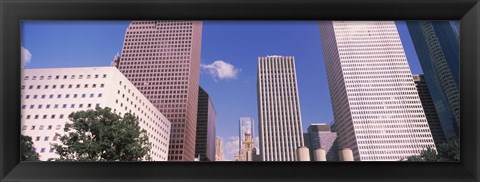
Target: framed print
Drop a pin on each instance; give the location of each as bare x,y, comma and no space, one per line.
239,90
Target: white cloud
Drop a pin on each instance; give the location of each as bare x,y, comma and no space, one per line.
221,70
26,56
230,148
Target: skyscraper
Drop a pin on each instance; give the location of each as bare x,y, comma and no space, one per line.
377,110
50,95
280,121
206,117
321,136
246,123
162,59
429,109
219,149
438,48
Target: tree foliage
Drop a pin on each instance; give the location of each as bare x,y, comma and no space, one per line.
100,135
448,151
27,153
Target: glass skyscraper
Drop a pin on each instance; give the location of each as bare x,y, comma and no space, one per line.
438,50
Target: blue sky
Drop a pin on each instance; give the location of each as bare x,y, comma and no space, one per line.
239,43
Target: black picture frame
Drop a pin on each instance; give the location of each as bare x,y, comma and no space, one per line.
12,12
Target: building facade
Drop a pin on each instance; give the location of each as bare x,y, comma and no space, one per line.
247,150
219,149
206,119
429,109
378,113
280,121
438,49
50,95
320,136
245,123
162,59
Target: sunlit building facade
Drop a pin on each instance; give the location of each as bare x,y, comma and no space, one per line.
378,113
280,120
50,95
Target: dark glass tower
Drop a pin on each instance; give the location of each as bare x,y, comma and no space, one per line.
438,50
205,137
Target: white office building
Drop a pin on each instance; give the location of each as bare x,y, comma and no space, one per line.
50,95
280,121
377,110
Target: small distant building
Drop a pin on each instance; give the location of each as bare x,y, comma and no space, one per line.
247,148
320,136
219,149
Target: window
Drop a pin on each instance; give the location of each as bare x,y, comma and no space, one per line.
64,106
36,116
45,139
74,95
99,95
56,106
53,116
94,86
62,86
54,86
42,150
102,85
78,85
50,127
83,95
104,76
37,138
96,76
51,96
51,149
58,127
61,116
33,127
89,105
28,116
80,76
24,106
80,106
24,127
41,127
88,76
98,105
72,106
86,86
44,117
91,95
43,96
48,106
35,96
67,96
73,77
40,106
59,96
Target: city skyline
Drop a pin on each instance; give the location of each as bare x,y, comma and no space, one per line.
221,41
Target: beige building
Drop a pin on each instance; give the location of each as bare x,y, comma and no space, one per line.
280,120
219,149
247,148
49,95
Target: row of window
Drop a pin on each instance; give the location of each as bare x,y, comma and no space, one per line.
62,86
50,77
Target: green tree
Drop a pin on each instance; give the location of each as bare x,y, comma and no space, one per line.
448,151
100,135
26,149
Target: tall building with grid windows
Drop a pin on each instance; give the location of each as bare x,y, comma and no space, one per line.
377,111
50,95
429,109
280,120
437,44
162,59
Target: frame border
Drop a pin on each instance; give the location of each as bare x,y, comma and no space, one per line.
13,11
